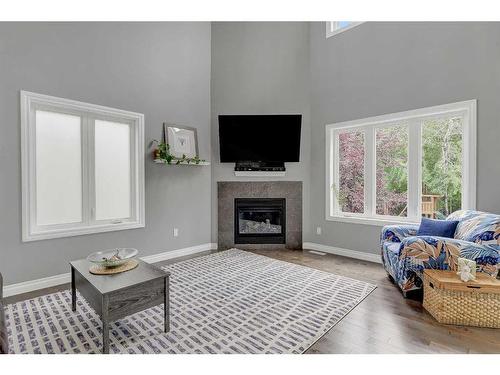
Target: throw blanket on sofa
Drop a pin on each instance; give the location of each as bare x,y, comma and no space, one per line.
405,255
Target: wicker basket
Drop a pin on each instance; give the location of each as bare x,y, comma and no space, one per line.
451,301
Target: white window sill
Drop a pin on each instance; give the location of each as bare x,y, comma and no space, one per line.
60,233
370,221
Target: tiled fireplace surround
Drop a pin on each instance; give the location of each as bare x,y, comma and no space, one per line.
227,191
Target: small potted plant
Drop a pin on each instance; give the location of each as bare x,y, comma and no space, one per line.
162,152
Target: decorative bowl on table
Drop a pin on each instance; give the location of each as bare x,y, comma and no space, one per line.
112,257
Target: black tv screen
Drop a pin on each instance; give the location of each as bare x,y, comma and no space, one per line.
259,138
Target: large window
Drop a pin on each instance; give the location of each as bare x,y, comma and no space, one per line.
83,168
401,166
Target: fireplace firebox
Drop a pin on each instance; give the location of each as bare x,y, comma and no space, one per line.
259,220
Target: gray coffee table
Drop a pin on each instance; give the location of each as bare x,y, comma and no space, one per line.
114,297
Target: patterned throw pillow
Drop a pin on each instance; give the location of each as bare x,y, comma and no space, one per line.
479,227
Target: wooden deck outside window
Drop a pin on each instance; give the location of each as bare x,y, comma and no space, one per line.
429,205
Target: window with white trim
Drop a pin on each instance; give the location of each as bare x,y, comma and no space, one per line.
336,27
82,168
401,166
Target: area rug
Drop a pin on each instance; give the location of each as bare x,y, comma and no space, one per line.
228,302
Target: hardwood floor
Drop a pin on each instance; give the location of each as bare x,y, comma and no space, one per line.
384,322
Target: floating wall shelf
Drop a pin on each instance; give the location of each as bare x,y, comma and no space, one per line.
201,163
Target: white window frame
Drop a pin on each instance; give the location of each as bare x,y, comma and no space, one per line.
333,28
413,119
30,102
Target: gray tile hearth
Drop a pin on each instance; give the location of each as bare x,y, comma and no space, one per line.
290,190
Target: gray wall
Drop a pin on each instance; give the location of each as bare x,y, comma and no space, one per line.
159,69
164,70
260,68
379,68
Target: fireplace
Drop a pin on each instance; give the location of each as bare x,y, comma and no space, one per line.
259,220
228,192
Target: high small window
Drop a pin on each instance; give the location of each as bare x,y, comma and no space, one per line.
401,166
335,27
82,168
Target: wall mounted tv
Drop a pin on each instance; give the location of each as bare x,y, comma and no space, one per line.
259,138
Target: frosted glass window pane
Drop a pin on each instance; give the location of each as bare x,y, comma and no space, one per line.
112,170
58,168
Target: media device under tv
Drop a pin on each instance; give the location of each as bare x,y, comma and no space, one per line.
259,142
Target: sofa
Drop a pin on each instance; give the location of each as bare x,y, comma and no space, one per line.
405,255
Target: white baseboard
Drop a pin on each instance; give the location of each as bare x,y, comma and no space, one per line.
375,258
47,282
179,253
31,285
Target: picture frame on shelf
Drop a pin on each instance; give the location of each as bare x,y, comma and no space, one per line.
183,141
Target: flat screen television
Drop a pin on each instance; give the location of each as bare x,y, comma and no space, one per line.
259,138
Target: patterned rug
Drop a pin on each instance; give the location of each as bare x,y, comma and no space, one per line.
227,302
